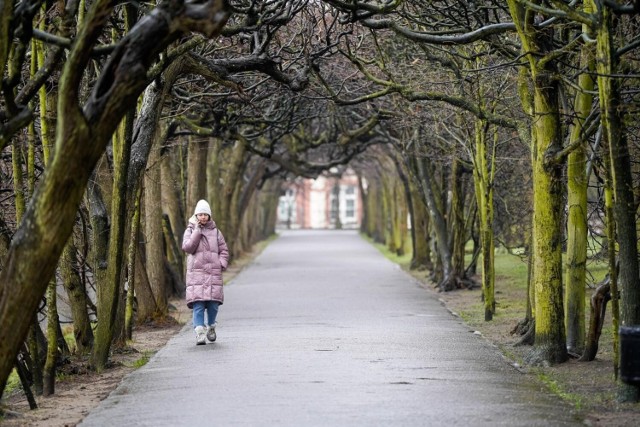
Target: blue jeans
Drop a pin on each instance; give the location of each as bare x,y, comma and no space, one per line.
199,307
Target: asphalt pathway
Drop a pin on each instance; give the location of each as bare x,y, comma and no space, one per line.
321,330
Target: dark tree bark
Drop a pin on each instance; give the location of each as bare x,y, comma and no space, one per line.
77,294
438,222
599,301
153,236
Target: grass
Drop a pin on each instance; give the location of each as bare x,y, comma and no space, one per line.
558,389
140,362
69,337
13,383
402,260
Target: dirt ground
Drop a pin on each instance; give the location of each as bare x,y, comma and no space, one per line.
589,386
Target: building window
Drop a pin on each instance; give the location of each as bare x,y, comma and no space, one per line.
287,211
351,208
350,189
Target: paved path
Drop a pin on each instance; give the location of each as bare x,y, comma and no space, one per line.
321,330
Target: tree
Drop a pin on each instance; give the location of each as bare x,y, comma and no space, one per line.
619,165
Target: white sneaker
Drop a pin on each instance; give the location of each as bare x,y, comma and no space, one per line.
211,333
200,335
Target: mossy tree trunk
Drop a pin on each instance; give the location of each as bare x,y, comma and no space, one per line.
110,308
132,251
69,268
483,173
622,183
613,268
420,229
49,370
376,220
550,341
405,191
458,232
400,213
386,206
577,183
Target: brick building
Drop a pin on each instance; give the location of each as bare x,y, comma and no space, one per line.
312,203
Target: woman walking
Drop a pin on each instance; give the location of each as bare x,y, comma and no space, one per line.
208,257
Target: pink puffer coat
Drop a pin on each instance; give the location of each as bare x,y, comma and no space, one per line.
207,258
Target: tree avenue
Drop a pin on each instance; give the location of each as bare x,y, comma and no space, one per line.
485,123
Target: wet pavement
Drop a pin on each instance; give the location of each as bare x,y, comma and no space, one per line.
322,330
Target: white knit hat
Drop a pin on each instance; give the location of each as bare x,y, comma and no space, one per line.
202,207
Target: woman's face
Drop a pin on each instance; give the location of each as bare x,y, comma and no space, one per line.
202,218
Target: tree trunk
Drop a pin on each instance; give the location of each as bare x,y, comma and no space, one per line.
131,269
438,223
483,172
335,203
174,257
196,172
576,257
77,294
147,307
365,205
400,213
34,350
154,238
420,228
387,214
230,190
246,193
458,230
171,202
376,217
409,197
624,206
49,371
268,208
214,178
613,268
110,311
550,340
599,301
